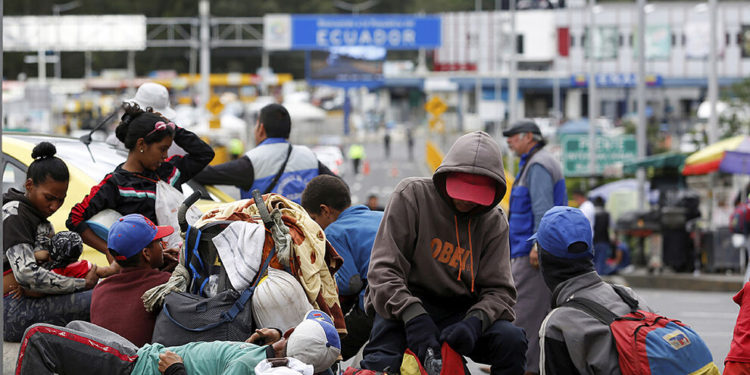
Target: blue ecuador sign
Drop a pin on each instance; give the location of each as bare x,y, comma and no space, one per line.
387,31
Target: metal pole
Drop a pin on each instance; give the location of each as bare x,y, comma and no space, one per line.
593,102
513,83
41,63
58,70
87,64
555,92
265,69
205,88
477,79
2,307
497,68
56,9
713,86
131,73
641,97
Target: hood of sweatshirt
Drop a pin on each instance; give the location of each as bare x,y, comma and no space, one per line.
475,153
14,194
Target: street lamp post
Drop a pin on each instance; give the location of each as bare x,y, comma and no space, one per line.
593,101
355,9
205,67
56,10
641,97
713,86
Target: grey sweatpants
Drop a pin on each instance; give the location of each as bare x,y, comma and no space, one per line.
78,348
532,305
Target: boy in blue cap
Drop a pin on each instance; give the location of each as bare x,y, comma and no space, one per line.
570,340
136,244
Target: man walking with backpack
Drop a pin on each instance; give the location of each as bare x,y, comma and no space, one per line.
581,335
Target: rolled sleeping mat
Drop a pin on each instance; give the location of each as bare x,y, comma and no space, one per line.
102,221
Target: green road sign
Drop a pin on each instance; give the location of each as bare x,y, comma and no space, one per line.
610,152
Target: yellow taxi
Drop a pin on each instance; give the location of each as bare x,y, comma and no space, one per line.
87,168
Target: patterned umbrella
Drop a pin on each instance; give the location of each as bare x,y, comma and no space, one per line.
731,155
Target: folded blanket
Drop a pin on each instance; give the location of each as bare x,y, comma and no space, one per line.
312,260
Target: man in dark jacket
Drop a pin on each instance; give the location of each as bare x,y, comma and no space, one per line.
440,266
273,166
572,341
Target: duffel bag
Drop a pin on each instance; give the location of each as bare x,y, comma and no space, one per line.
227,316
187,317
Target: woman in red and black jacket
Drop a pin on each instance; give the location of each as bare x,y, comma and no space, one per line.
131,187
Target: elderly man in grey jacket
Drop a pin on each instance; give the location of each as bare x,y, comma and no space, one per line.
572,341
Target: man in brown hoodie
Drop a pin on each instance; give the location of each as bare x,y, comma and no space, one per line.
440,266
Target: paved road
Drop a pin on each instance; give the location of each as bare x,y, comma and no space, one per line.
384,173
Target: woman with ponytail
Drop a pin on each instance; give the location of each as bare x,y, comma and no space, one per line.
131,187
27,230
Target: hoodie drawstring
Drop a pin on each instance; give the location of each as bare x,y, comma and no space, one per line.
462,261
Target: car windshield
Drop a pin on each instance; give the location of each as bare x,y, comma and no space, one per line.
106,158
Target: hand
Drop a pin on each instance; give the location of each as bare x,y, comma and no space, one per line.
264,336
171,258
91,278
462,336
422,333
108,271
167,359
534,257
16,292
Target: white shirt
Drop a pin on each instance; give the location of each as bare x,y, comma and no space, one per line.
589,211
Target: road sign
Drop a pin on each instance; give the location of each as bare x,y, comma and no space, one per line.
436,124
435,106
323,31
214,123
609,151
214,105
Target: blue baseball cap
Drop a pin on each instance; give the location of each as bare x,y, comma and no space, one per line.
562,226
132,233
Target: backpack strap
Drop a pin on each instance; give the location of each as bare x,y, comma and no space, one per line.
626,297
280,172
592,308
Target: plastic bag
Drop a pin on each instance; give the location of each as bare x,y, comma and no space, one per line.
168,201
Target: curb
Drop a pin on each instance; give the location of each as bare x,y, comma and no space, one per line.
686,282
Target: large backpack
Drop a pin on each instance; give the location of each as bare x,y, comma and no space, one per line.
648,343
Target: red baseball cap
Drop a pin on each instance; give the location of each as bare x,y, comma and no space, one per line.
471,187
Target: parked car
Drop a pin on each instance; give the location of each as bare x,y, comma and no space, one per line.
87,168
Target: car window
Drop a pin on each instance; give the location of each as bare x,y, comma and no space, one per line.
13,176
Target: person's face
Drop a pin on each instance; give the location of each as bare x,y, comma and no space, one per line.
324,218
154,153
520,143
154,253
464,206
372,202
47,196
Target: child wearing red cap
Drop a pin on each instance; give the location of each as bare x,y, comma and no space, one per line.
135,243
